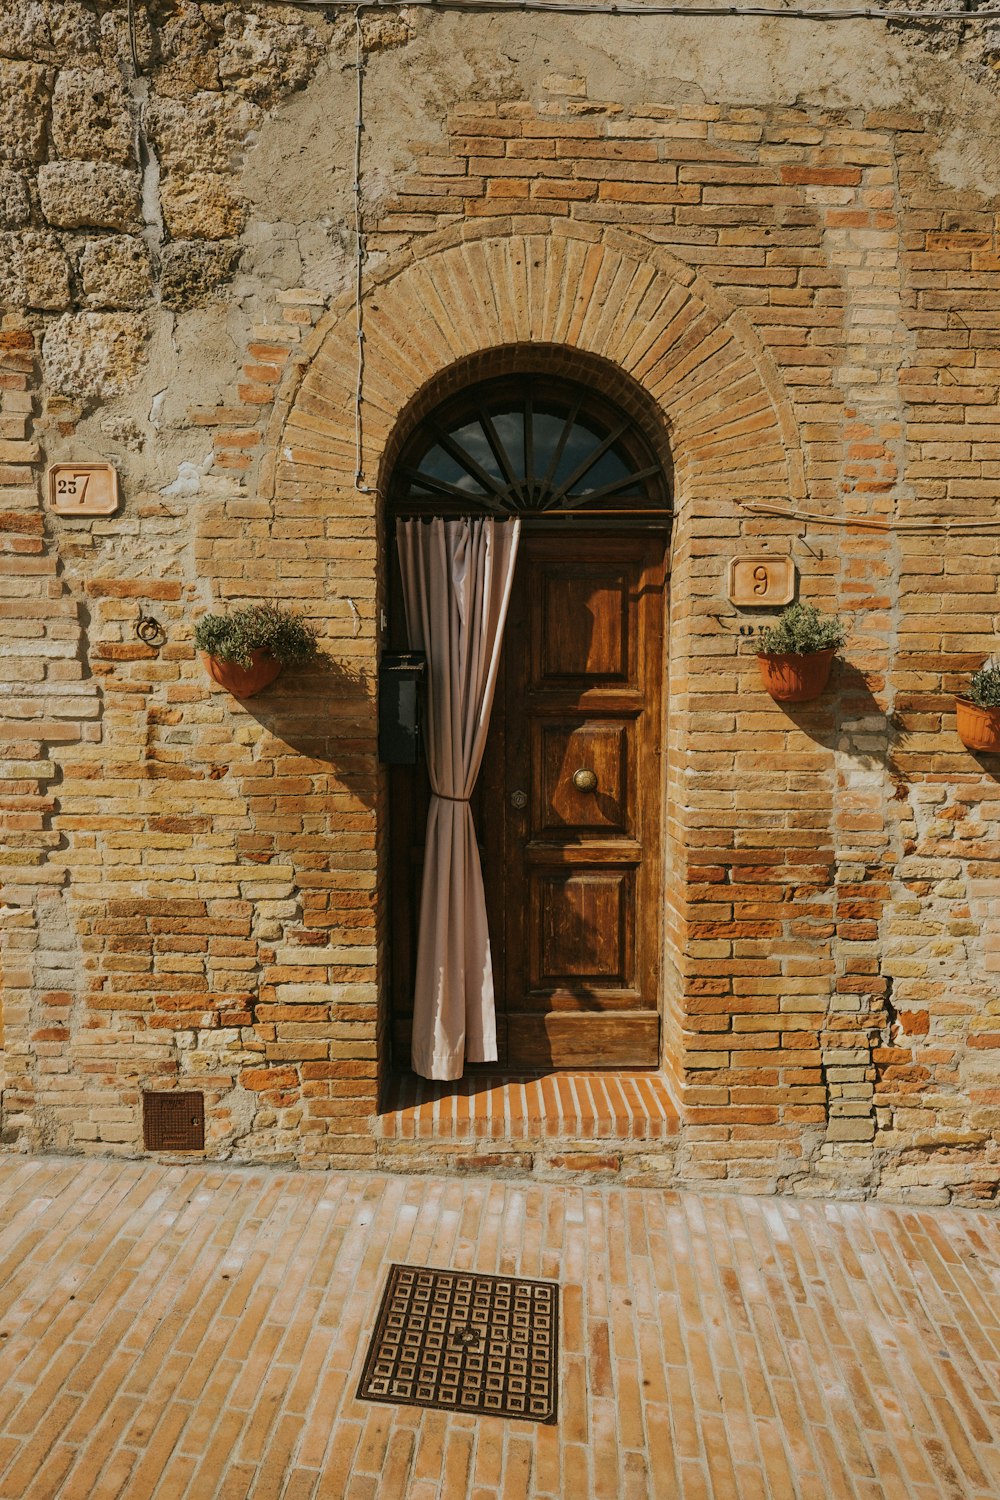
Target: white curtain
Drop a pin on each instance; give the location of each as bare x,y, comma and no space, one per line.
456,587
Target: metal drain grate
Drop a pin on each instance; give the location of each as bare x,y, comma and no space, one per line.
173,1121
460,1341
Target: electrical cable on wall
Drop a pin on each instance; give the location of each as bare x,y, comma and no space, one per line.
359,268
133,44
636,8
986,525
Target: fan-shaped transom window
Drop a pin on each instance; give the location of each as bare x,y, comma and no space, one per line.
529,445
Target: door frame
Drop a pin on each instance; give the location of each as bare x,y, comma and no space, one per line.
612,388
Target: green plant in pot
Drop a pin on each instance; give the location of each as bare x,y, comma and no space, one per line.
795,654
245,650
977,716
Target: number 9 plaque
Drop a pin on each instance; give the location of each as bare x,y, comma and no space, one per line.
761,582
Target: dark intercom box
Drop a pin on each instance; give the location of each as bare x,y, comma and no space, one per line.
401,676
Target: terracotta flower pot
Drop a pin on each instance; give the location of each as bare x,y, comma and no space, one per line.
795,677
978,728
242,682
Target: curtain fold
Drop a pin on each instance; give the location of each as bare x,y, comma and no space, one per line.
457,578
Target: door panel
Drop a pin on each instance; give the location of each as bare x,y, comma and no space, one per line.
581,875
567,1041
601,746
580,626
584,932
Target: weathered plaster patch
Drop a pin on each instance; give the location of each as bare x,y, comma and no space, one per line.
970,163
189,477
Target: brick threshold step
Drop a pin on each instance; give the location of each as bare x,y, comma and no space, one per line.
550,1107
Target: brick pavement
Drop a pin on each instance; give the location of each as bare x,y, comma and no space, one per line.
197,1332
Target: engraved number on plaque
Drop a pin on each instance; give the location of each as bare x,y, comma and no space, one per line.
73,486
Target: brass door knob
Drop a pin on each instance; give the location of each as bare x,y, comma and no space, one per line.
519,799
585,781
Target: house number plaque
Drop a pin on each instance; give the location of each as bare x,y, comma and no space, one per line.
764,582
83,489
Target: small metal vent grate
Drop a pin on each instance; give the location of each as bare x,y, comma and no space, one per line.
173,1122
460,1341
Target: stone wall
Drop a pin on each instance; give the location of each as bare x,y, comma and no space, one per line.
786,232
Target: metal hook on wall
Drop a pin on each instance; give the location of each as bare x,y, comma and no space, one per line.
150,631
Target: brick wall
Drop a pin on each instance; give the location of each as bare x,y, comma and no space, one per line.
194,884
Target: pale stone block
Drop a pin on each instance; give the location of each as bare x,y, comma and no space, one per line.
25,90
850,1130
82,194
92,116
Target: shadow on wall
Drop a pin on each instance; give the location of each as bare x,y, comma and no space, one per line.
848,718
326,714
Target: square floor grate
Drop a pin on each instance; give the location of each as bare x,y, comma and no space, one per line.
461,1341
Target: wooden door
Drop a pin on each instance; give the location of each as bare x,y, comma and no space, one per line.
573,876
581,889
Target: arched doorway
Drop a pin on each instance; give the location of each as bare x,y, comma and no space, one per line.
568,805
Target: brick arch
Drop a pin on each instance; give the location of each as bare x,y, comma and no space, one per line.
732,432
